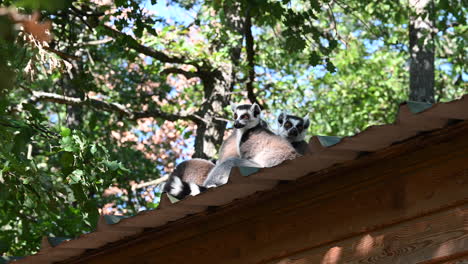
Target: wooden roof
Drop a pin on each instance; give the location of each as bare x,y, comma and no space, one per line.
304,184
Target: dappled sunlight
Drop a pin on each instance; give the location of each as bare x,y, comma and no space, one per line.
332,256
285,261
444,249
367,244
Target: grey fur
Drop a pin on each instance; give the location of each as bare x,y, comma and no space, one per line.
263,147
193,170
228,148
219,175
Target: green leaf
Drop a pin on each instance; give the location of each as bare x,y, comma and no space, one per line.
314,58
93,149
65,131
29,202
67,159
93,214
50,5
78,193
330,67
113,165
315,5
21,140
332,44
67,144
76,176
151,205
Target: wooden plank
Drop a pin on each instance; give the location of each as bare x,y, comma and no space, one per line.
422,240
422,176
459,261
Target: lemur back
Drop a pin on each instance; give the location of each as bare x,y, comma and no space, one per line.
263,147
294,129
193,170
228,148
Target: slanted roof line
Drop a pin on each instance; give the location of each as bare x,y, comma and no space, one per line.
321,157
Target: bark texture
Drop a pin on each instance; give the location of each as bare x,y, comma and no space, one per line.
421,40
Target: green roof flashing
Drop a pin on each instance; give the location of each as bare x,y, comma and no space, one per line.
418,107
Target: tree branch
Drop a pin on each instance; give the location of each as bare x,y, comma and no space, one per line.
133,43
110,107
97,42
351,11
62,55
249,43
187,74
150,183
333,23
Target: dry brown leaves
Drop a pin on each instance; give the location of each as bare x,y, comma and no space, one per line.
41,30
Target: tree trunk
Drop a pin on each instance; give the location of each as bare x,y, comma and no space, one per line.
217,85
421,34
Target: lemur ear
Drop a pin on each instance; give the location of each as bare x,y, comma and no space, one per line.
306,121
233,106
281,118
255,110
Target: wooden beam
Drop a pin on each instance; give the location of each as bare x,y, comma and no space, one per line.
429,239
424,176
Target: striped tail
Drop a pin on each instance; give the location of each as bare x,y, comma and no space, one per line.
180,189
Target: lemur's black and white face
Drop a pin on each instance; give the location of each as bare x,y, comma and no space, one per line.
292,127
246,116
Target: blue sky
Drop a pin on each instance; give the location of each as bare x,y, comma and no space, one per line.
172,12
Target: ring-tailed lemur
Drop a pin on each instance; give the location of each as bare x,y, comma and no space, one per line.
187,178
229,148
188,174
257,145
294,129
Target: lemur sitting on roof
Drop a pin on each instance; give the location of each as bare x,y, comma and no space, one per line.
294,129
256,146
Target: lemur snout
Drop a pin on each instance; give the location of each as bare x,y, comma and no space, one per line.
238,124
293,132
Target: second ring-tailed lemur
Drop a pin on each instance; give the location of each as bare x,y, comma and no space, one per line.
257,145
294,129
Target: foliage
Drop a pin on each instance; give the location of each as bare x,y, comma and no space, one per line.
118,94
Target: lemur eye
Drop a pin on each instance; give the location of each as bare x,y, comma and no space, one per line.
235,116
300,127
288,125
245,116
